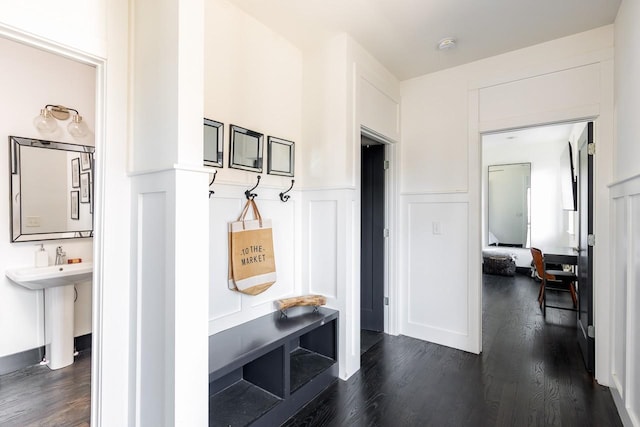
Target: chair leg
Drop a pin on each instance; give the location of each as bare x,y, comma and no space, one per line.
574,297
544,298
541,293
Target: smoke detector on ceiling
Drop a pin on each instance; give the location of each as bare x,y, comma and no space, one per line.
447,43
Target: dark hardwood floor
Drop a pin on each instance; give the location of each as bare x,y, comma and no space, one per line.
38,396
530,373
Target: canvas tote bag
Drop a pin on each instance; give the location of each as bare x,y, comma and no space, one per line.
252,266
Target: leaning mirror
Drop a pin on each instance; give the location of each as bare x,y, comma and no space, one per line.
213,133
509,205
280,157
246,149
51,190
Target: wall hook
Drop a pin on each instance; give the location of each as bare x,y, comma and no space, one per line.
248,194
284,196
215,173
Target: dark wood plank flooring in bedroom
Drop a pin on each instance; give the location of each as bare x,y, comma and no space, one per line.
529,374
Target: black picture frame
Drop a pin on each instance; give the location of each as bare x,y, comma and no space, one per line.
75,173
75,205
245,148
281,155
85,188
213,151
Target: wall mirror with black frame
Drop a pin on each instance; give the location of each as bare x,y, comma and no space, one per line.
213,143
280,156
51,190
246,149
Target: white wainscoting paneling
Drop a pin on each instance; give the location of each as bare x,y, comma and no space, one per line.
329,267
625,350
323,247
632,311
222,301
228,308
151,301
434,269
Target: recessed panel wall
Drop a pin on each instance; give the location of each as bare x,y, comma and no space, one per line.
227,307
151,302
634,297
322,251
436,269
620,294
625,340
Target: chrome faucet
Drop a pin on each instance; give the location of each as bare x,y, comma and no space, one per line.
60,255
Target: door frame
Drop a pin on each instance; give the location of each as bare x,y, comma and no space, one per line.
98,319
391,155
376,248
475,198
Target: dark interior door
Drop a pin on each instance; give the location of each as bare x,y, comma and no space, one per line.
586,241
372,239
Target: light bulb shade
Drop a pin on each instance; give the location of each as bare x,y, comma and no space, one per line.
44,122
77,127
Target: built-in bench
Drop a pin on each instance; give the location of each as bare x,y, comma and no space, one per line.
263,371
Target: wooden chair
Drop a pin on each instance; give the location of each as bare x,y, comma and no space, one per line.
560,281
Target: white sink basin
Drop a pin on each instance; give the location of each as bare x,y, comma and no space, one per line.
54,275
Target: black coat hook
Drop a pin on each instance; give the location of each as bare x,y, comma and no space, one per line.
215,173
284,196
248,194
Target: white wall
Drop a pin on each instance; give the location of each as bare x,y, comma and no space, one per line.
26,79
625,206
75,23
443,115
253,79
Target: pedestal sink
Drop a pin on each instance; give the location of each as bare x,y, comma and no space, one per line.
57,282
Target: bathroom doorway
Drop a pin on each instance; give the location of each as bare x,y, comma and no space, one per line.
36,75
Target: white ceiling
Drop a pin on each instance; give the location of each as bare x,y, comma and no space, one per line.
403,34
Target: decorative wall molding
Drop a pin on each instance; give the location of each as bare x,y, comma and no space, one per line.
228,308
625,335
434,251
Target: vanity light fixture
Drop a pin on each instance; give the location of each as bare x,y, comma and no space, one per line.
45,122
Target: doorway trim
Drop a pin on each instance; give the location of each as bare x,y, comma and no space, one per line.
602,171
390,216
97,323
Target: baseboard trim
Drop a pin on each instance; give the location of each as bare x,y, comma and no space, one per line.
17,361
83,342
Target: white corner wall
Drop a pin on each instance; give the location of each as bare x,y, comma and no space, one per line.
443,115
344,88
79,24
625,213
253,79
25,79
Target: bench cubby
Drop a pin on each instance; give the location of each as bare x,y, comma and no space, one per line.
263,371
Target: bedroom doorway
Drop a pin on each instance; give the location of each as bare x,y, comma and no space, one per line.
560,221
